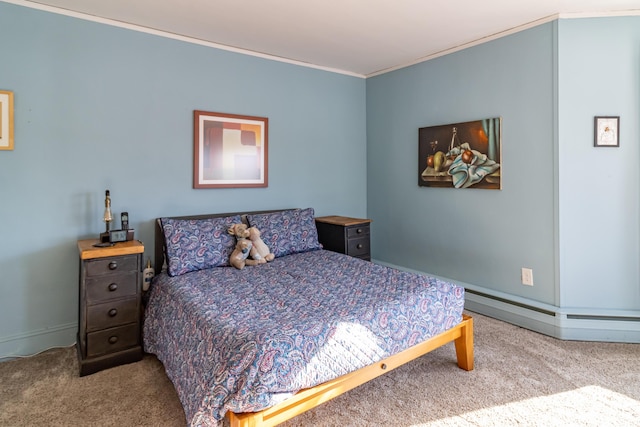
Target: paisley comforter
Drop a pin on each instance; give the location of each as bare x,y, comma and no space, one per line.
244,340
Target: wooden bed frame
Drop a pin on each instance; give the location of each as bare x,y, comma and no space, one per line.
461,335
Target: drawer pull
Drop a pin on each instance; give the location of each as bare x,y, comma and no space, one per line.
113,312
113,339
383,366
359,230
113,265
359,246
113,287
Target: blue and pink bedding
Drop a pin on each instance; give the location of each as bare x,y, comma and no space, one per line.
245,340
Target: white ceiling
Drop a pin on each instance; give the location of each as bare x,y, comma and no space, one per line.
360,37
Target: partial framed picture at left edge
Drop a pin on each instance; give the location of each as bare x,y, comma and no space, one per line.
6,120
229,150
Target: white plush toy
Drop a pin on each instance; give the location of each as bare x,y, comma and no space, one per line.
260,250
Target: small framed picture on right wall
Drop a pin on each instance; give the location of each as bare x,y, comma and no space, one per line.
606,131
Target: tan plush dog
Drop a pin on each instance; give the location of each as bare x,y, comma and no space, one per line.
239,230
260,250
238,257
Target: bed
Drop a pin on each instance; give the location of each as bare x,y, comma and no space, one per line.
263,344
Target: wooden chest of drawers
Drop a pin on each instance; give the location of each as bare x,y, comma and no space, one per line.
109,305
346,235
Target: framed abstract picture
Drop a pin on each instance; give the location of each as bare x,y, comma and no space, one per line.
6,120
461,155
229,150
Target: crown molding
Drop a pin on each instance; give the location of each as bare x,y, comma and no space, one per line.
193,40
186,39
505,33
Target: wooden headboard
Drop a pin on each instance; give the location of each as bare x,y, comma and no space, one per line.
159,247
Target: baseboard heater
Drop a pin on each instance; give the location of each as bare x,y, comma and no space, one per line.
510,302
553,314
609,318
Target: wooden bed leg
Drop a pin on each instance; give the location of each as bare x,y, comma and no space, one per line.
236,420
464,344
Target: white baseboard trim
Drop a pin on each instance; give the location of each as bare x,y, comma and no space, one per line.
576,324
33,342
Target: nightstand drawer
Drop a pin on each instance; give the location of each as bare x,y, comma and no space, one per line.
112,340
358,247
111,314
104,288
112,265
360,231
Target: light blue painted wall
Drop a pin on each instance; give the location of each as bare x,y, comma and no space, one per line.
567,210
100,107
599,75
479,237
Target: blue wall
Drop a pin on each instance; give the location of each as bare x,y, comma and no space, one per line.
599,75
100,107
481,237
567,210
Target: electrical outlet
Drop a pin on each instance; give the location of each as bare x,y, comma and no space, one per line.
527,276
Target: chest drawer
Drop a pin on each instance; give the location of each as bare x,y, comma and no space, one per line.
358,247
103,288
111,265
112,340
107,315
359,231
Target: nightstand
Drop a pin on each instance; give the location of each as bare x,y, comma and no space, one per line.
345,235
109,305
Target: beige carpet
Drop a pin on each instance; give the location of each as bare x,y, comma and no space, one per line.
521,379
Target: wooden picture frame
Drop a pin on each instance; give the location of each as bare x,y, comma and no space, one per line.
461,155
606,131
6,120
229,150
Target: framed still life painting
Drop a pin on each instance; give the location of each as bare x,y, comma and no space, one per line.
461,155
229,150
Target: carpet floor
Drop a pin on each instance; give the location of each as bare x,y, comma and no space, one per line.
521,378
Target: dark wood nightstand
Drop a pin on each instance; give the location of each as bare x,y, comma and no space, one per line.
345,235
109,305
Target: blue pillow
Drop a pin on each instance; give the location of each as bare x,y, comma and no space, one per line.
287,232
196,244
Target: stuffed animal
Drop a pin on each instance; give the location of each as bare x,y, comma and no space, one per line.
238,257
260,250
239,230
